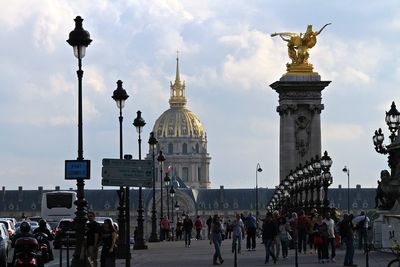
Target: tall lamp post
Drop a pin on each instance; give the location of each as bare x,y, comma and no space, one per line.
176,209
258,169
139,123
153,236
167,180
326,163
79,39
161,159
347,170
120,96
172,194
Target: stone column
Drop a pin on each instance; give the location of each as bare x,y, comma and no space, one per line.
300,123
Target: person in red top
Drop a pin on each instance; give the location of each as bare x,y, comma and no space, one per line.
164,228
303,225
198,225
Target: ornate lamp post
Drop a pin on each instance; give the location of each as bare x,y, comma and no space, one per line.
347,171
167,181
79,39
161,159
326,163
176,209
172,194
120,96
139,123
153,236
306,184
300,185
258,169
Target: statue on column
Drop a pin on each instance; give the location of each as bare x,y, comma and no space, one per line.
387,191
298,45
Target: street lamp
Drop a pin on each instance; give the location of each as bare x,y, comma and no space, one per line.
172,194
161,159
258,169
167,180
79,39
153,236
139,123
347,170
120,96
326,163
176,209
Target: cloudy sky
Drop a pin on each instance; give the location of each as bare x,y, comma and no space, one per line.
228,60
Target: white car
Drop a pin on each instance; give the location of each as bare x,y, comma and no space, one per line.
6,252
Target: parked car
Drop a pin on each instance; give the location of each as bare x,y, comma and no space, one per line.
65,233
9,226
6,252
13,220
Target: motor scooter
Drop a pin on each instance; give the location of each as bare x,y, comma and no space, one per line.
26,249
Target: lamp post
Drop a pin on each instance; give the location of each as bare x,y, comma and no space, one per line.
153,236
139,123
167,180
120,96
347,170
161,159
177,209
172,194
79,39
326,163
258,169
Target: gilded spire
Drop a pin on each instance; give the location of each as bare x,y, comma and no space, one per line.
178,98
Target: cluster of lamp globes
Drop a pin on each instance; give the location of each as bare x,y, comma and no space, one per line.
306,177
393,121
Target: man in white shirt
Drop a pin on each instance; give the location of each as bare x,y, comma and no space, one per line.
330,223
237,232
362,223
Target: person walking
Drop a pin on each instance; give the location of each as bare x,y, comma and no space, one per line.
208,222
303,224
251,227
318,242
216,239
198,225
179,229
270,230
165,224
238,233
284,228
330,224
346,232
92,238
362,224
276,245
109,237
187,227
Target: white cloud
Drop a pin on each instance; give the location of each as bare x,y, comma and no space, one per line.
341,132
94,79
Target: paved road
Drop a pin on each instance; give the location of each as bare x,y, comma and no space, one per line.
175,254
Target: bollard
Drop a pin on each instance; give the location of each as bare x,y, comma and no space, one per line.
60,254
235,255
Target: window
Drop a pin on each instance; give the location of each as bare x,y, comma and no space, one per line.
170,148
197,148
185,174
198,174
184,148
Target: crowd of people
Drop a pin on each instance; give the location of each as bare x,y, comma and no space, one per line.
314,233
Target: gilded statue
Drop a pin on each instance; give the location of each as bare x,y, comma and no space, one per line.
298,45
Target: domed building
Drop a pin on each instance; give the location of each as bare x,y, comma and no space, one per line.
182,140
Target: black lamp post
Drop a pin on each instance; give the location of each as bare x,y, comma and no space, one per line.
167,180
176,209
172,194
161,159
326,163
120,96
79,39
258,169
139,123
347,171
153,236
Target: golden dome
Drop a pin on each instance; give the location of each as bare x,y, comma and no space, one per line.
178,121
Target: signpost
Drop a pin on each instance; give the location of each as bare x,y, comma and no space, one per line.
77,169
131,173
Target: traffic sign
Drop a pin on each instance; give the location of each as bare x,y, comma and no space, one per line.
123,172
77,169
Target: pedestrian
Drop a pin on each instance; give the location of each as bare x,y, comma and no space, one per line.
346,232
318,242
229,229
187,227
251,227
284,228
216,239
330,224
277,242
198,225
270,230
179,228
109,237
238,233
303,224
362,224
92,238
164,229
208,222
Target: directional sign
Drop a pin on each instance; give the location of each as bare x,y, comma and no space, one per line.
77,169
123,172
